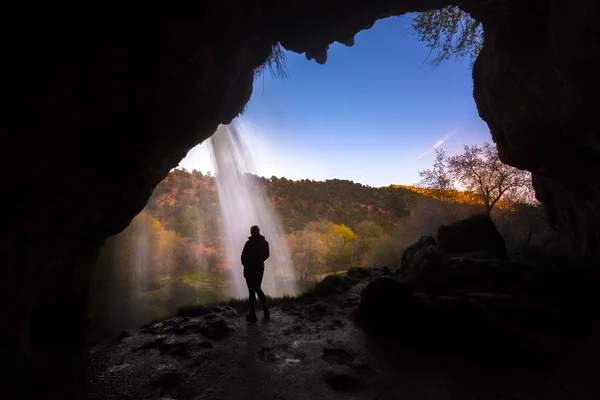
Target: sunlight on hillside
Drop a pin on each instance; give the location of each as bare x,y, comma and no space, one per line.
172,253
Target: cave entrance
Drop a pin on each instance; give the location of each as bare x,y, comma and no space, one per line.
122,98
374,114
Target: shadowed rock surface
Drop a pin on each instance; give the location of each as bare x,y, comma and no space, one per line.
425,266
476,233
471,344
385,305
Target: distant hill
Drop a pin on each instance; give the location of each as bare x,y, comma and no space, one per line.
172,252
186,202
329,225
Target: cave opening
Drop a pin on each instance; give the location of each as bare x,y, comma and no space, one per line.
173,253
118,97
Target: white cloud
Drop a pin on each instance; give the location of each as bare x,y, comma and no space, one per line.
437,144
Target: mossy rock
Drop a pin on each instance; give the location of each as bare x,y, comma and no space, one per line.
332,285
359,273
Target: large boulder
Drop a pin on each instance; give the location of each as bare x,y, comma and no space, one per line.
332,285
385,305
412,250
360,273
426,267
473,234
423,265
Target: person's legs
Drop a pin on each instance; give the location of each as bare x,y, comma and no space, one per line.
251,282
261,296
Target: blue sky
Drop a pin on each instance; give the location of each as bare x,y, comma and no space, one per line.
372,114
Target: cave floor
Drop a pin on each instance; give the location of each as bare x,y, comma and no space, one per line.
312,349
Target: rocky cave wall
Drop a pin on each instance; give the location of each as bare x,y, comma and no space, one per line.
536,86
102,108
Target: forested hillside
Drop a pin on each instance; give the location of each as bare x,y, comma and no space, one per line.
187,202
172,253
374,224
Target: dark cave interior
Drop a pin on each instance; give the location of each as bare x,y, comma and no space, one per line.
140,92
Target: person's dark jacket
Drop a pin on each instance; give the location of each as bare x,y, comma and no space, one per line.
256,251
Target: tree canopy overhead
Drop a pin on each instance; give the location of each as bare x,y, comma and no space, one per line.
450,33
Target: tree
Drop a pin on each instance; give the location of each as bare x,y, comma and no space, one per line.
479,170
308,251
438,179
368,230
185,223
197,174
367,233
343,236
385,251
321,226
336,238
275,63
187,183
450,33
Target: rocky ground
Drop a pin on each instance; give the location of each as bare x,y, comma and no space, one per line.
439,326
462,344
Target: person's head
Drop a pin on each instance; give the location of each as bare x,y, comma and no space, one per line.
255,230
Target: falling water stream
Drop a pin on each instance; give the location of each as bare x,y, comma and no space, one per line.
135,281
243,203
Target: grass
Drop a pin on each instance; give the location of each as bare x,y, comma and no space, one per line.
333,284
207,296
204,277
240,305
337,267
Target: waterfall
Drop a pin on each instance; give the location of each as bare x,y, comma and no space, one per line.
242,204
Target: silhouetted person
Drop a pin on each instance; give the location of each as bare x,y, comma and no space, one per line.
256,251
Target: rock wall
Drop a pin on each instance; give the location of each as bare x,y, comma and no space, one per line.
102,106
535,84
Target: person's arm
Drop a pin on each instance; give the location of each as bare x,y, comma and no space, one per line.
245,254
266,251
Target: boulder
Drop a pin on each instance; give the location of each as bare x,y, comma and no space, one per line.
359,273
447,322
385,305
426,267
474,234
423,265
331,285
413,249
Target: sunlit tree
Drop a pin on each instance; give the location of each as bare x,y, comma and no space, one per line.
385,250
336,236
308,251
438,179
367,232
479,170
342,236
